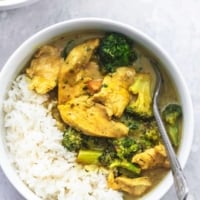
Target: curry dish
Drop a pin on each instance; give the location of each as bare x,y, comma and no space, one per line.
102,87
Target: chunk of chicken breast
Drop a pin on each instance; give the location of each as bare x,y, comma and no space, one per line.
72,72
133,186
91,118
114,93
89,73
44,68
152,158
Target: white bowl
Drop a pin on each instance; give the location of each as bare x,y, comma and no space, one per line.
25,51
11,4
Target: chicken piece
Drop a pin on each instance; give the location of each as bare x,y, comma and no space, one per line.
72,72
152,158
85,76
44,69
91,118
133,186
114,93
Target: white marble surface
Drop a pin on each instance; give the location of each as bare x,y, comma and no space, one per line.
174,24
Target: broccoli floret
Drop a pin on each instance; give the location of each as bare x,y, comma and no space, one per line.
115,50
107,157
130,121
143,144
125,165
150,137
152,133
144,133
72,139
171,115
141,88
95,143
125,147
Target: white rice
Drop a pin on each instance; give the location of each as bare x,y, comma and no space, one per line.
42,163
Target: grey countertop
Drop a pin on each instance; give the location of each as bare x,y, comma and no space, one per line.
174,24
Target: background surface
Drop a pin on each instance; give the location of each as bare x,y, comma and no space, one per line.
174,24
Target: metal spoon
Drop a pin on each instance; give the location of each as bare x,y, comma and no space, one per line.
180,183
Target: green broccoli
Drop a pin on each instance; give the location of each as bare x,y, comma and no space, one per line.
88,157
129,120
144,132
108,156
141,88
125,147
115,50
107,159
171,115
95,143
152,133
125,165
150,137
72,139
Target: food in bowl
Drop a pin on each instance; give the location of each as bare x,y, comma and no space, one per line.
79,120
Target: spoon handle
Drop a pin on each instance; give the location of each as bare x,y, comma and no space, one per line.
179,179
189,197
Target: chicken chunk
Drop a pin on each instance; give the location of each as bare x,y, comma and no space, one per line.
72,72
89,74
152,158
91,118
133,186
114,93
44,68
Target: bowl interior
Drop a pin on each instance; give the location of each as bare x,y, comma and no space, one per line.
17,61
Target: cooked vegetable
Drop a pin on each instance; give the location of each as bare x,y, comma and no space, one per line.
67,49
150,137
144,132
125,165
115,50
101,151
108,156
171,116
141,88
125,147
152,133
95,143
133,123
72,139
88,157
102,157
94,85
